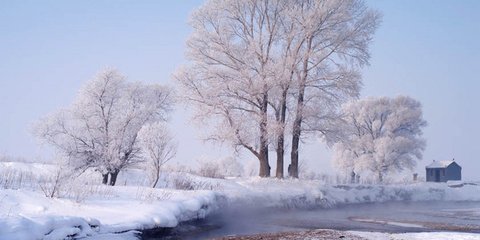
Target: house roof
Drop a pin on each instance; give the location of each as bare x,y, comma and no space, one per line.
440,164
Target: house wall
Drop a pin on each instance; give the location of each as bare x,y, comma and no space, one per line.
454,172
431,175
442,173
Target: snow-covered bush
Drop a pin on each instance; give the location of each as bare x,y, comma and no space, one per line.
80,191
231,167
51,185
150,195
210,169
15,179
220,168
185,181
21,175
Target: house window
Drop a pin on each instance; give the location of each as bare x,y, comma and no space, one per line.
431,172
443,172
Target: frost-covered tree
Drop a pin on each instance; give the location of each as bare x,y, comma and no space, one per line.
333,37
158,147
231,70
250,60
381,135
100,129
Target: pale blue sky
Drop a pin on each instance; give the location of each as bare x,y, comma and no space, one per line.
427,49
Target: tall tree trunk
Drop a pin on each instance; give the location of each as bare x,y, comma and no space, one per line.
280,156
380,177
297,123
297,130
157,176
113,177
263,153
105,178
293,171
264,167
281,137
155,182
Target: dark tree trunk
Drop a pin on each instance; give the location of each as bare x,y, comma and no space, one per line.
264,166
113,178
105,178
297,123
157,176
294,155
280,156
297,130
263,153
263,158
380,177
281,137
155,182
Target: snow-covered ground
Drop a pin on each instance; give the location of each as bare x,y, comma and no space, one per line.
30,215
417,236
98,211
324,234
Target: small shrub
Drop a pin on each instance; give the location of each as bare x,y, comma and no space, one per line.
51,185
151,195
210,170
189,183
183,183
80,191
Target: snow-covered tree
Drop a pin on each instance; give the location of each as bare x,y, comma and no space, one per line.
248,58
100,129
230,73
381,135
158,147
333,37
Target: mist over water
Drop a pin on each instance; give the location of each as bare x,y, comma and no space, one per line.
393,217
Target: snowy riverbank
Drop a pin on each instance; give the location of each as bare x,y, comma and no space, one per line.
28,214
327,234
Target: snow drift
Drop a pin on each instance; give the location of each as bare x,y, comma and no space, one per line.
27,214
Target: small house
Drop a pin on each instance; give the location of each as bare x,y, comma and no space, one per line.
442,171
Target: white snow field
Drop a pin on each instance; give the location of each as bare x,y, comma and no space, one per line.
104,212
417,236
30,215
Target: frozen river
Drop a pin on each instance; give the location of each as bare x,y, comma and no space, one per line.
381,217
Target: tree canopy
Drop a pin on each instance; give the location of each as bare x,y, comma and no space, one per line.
100,128
380,135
